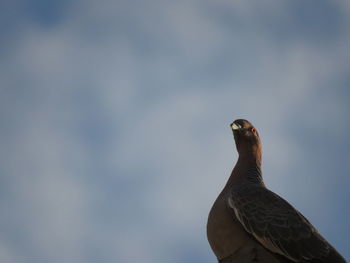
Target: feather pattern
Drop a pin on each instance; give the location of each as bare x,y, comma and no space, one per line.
276,224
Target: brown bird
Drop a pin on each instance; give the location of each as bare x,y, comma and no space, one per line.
249,223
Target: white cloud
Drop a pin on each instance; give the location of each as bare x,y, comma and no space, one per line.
7,254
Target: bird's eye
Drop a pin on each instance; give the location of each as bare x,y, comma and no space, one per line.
254,131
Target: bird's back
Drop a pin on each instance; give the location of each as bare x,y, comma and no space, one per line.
278,226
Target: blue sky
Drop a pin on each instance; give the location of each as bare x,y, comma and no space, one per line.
115,116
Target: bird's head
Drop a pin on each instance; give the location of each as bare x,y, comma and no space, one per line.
246,137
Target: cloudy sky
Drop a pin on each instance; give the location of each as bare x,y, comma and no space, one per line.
114,121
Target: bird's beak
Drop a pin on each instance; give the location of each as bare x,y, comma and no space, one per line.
235,126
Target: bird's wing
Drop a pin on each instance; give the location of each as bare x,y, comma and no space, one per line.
276,224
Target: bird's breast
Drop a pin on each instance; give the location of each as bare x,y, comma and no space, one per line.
225,234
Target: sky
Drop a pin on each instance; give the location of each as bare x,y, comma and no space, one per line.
114,121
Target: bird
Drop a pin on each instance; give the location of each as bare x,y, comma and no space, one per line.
248,223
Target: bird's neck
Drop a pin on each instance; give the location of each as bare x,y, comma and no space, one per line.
247,169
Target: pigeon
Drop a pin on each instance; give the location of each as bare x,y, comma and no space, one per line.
249,223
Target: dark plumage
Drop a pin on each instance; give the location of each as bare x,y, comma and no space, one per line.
249,223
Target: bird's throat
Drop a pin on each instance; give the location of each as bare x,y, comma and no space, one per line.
247,169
